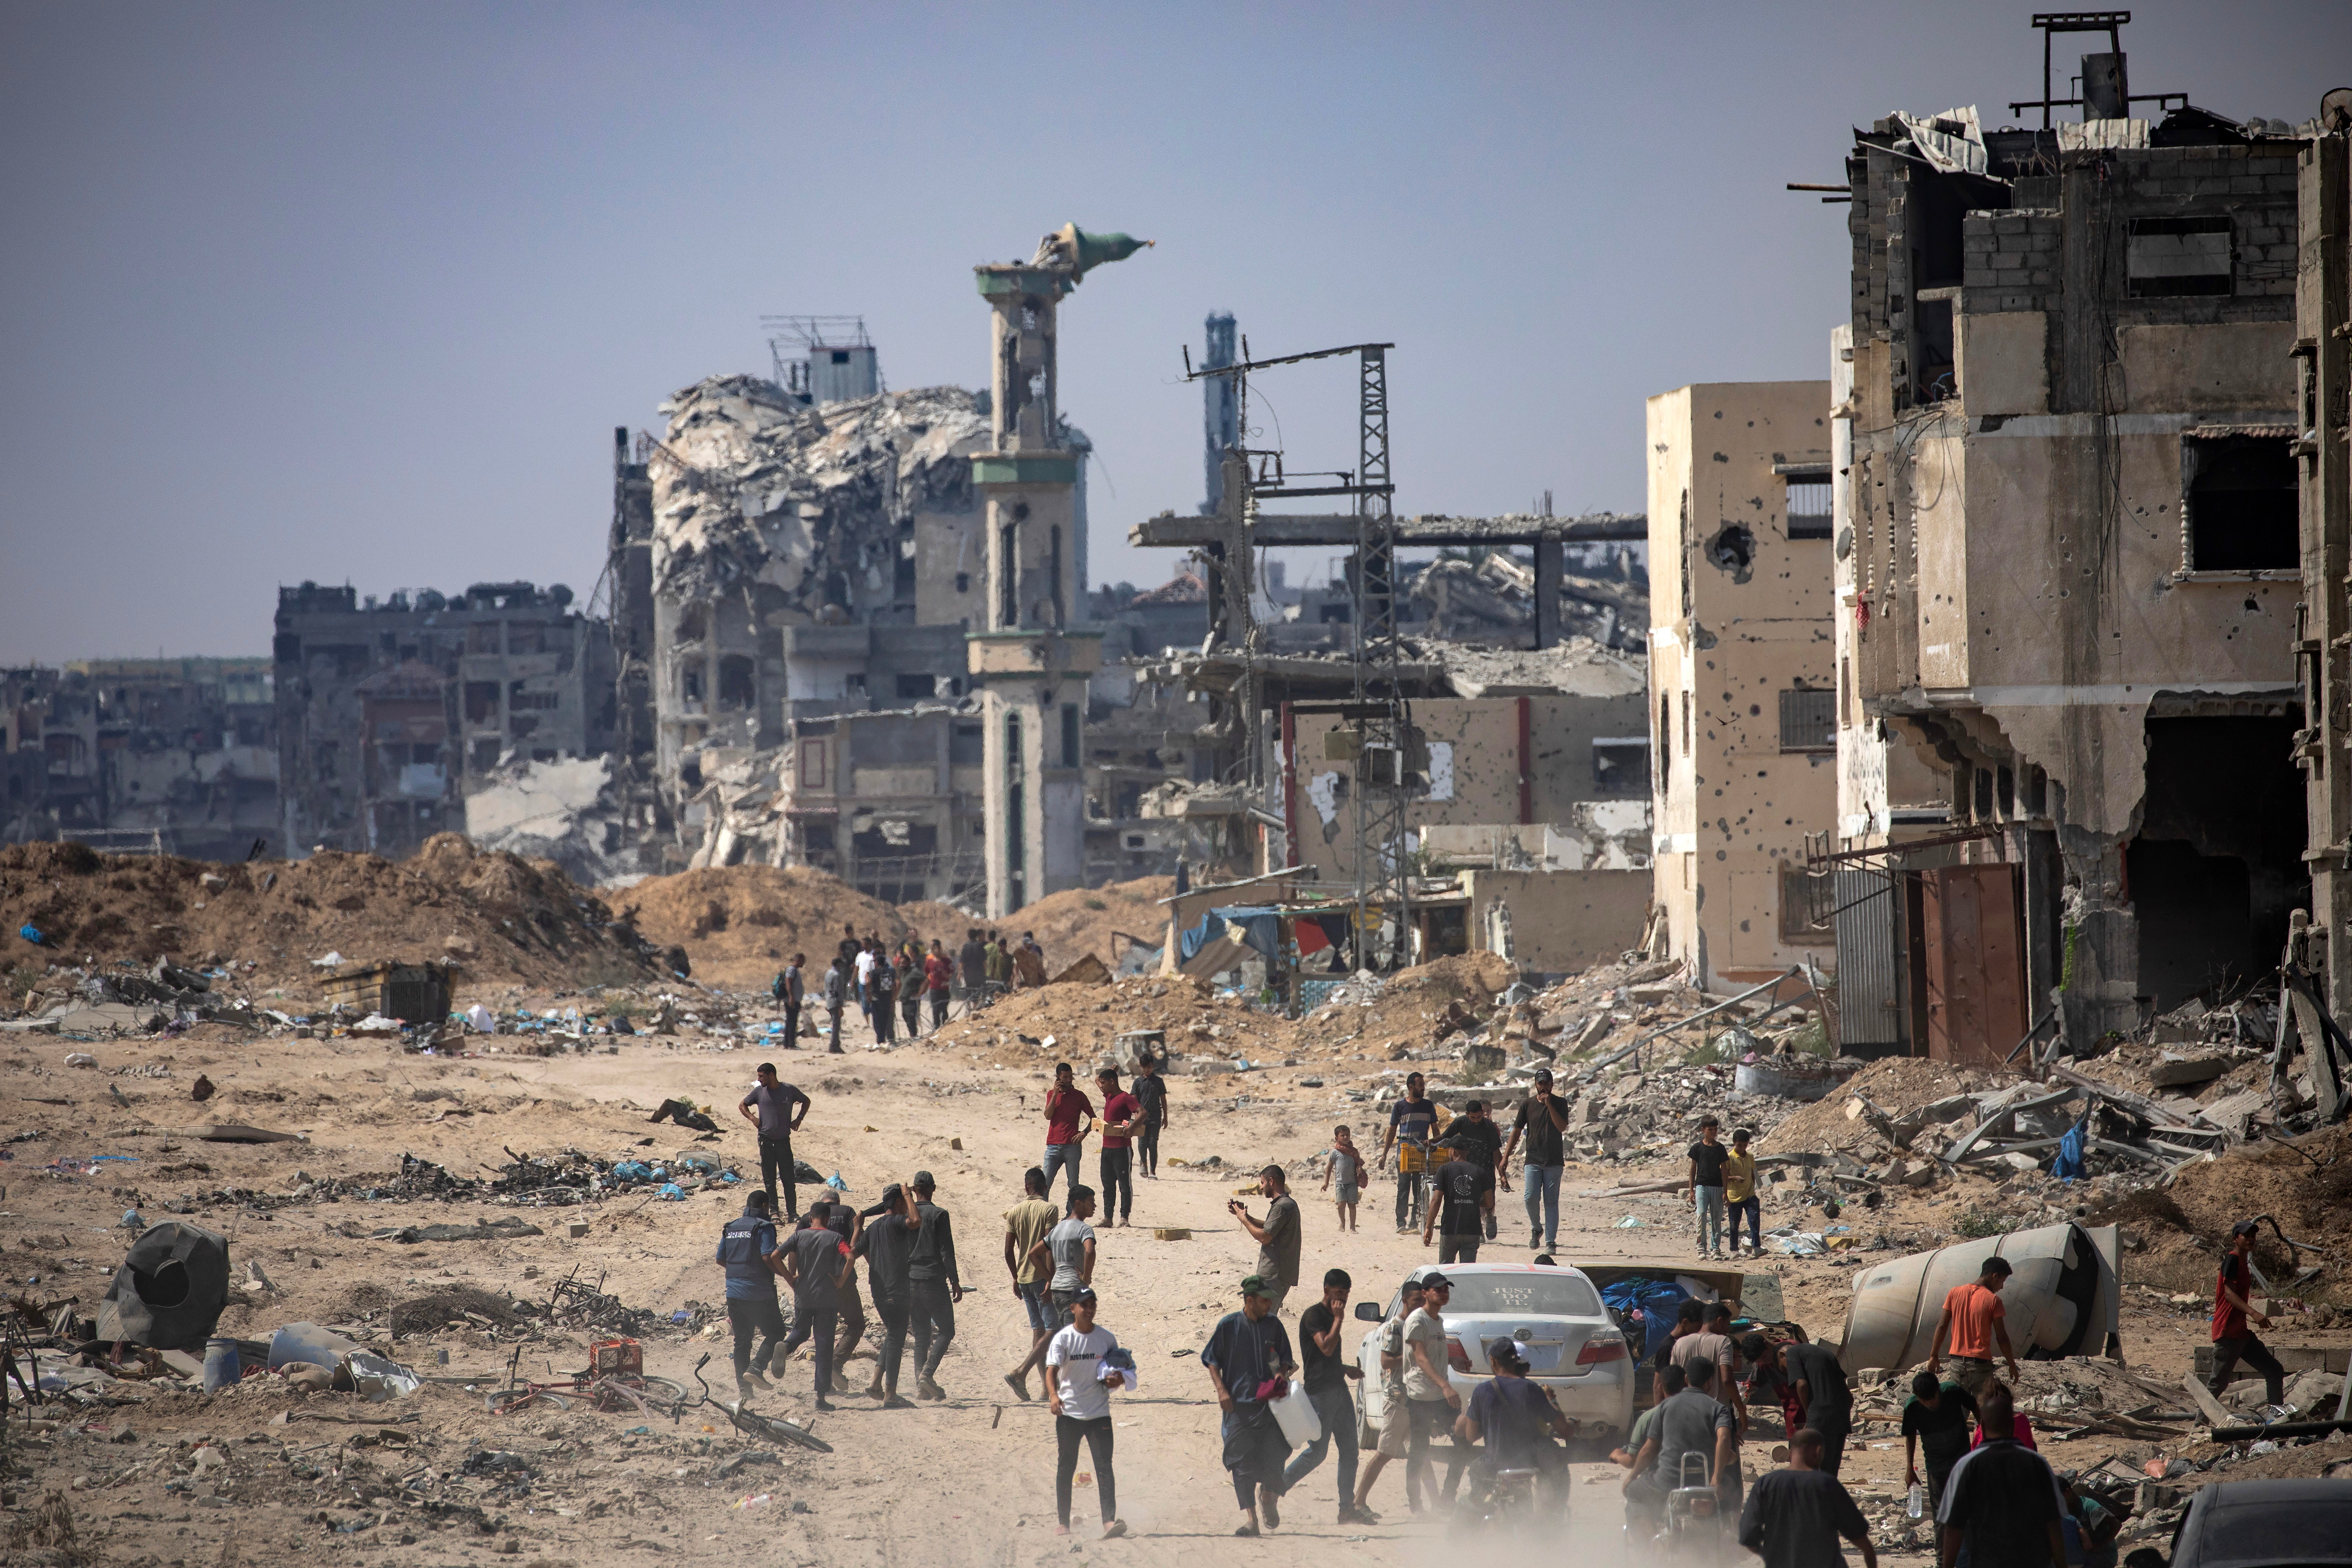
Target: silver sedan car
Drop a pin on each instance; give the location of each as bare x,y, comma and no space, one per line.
1554,1315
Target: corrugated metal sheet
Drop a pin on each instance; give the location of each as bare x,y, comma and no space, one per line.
1869,1002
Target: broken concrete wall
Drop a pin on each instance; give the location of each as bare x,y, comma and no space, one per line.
1527,760
1557,922
1742,677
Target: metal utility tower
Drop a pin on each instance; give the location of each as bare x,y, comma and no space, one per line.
1382,730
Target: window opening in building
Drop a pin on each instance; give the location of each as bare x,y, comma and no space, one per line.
1809,506
1054,545
1008,576
1808,720
1621,765
1070,758
2241,504
1665,738
2169,256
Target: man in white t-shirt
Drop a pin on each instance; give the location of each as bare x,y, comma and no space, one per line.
1081,1369
867,953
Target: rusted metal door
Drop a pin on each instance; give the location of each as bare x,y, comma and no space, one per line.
1975,962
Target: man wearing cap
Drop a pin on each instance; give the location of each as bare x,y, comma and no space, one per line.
886,1245
1518,1421
1973,1319
1083,1364
934,1287
1429,1389
1324,1376
1277,1237
2235,1319
1249,1361
748,1251
1396,1424
1543,1119
777,1110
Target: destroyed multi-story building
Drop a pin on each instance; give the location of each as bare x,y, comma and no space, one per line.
810,562
388,714
1742,681
837,573
2068,570
168,755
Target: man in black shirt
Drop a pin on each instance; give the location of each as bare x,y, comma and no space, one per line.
887,1245
1326,1376
1542,1119
1824,1399
972,968
1149,1087
1413,1123
1479,1140
818,1262
1463,1189
933,1287
1795,1517
1704,1188
2001,1501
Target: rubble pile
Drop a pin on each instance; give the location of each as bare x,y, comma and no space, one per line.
753,486
1493,598
738,924
261,927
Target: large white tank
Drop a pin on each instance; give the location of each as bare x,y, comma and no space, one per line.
2063,1298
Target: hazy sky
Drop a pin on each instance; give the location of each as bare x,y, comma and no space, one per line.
358,292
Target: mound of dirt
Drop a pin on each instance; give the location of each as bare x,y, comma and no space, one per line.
1070,924
739,923
505,920
2179,1231
1081,1021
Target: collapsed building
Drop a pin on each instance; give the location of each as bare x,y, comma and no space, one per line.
389,714
2067,567
163,756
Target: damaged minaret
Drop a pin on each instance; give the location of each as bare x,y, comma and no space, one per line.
1032,662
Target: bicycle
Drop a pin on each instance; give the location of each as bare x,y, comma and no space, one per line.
773,1429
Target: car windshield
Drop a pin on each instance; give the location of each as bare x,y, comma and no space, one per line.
1544,1295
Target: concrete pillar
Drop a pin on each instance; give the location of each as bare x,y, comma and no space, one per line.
1548,570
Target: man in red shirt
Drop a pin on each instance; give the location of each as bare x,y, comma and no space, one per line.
1069,1117
1972,1321
939,974
2233,1340
1120,1114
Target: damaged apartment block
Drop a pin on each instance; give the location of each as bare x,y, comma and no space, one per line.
2067,570
389,715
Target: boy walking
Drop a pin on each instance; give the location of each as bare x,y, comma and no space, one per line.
1083,1364
1347,1167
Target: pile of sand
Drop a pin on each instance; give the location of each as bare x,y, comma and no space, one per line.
2179,1231
1068,924
739,923
506,919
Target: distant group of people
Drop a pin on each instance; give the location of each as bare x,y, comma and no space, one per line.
890,985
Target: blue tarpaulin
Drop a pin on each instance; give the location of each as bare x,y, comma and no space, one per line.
1655,1301
1260,926
2067,1164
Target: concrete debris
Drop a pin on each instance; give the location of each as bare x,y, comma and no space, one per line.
751,486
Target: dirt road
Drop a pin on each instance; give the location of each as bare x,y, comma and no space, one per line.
967,1482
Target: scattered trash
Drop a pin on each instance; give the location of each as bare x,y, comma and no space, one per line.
1630,1221
80,1059
32,933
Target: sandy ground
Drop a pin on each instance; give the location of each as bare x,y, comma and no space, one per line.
967,1482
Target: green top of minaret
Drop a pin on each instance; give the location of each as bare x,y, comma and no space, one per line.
1078,249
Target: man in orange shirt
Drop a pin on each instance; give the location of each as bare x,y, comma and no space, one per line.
1973,1320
